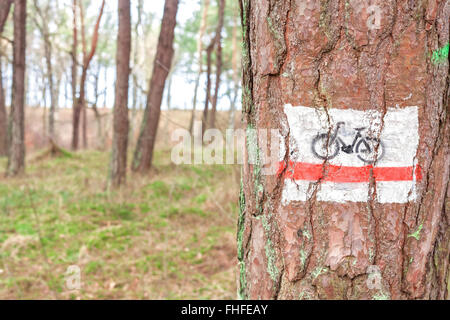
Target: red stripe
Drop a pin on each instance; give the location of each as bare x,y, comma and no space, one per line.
315,172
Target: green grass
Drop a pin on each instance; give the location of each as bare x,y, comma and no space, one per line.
156,238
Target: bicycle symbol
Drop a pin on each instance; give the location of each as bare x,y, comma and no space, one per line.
368,150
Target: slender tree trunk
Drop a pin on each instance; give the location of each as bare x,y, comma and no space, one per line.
144,150
234,63
212,119
98,117
16,157
43,105
318,228
84,124
121,125
75,114
135,70
201,33
80,102
5,7
209,51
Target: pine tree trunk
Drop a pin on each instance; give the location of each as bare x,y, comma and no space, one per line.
143,154
16,157
344,57
121,125
201,33
5,7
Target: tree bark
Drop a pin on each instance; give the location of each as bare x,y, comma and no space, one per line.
121,125
16,156
143,154
201,33
326,55
5,7
218,44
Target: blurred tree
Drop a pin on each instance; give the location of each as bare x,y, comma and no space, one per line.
80,100
41,18
16,130
235,67
121,125
143,154
218,46
5,7
201,33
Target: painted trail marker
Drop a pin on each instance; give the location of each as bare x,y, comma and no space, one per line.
341,150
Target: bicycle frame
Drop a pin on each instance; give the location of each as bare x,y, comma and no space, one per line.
349,149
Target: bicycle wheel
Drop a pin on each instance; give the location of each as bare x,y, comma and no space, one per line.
320,149
367,151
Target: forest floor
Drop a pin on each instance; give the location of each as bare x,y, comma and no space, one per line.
169,235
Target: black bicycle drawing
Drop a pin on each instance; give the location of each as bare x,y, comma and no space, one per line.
368,150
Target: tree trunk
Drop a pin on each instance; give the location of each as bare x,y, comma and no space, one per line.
234,63
121,125
16,157
201,33
5,7
209,51
134,71
212,117
80,101
143,155
318,228
74,82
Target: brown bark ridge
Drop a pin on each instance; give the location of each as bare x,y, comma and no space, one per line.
143,155
16,156
121,125
323,54
218,44
5,7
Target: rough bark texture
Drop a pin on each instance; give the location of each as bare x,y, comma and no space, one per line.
5,7
322,54
121,125
16,156
143,155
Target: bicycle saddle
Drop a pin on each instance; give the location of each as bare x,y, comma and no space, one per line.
360,129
